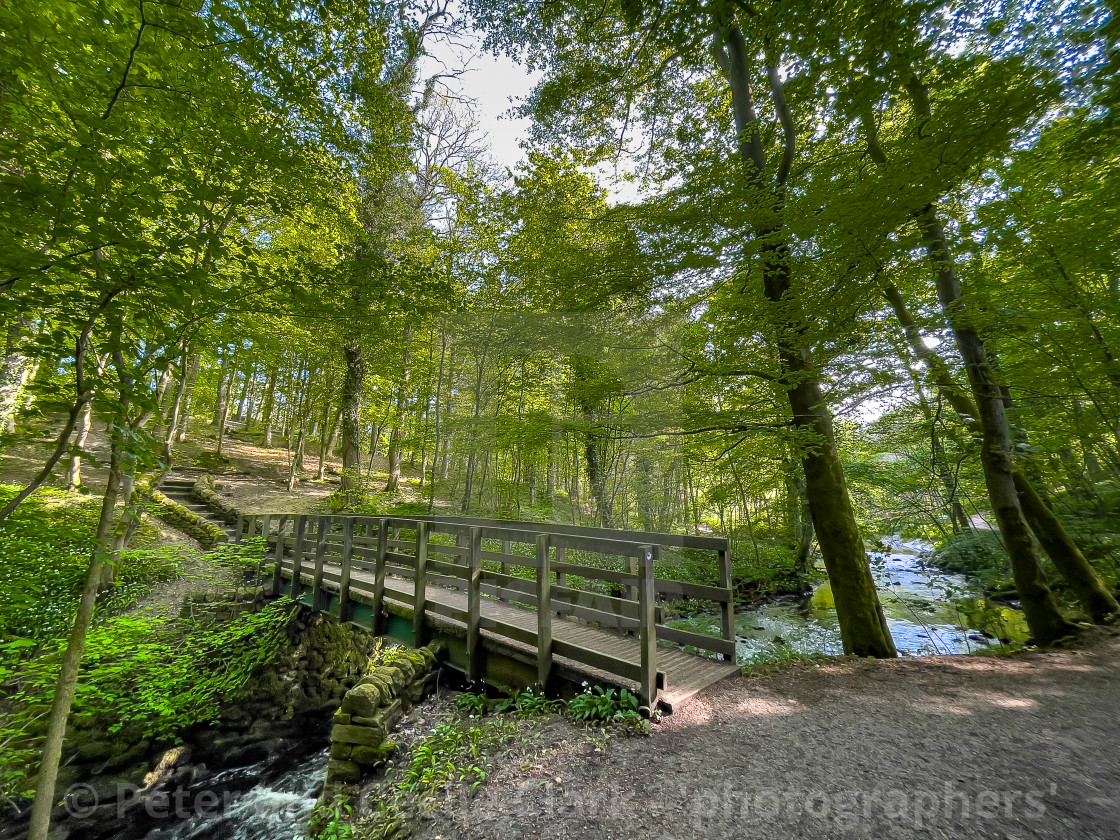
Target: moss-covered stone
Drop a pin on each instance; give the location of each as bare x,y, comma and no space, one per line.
369,736
363,700
373,755
339,770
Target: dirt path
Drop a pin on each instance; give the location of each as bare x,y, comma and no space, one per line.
948,747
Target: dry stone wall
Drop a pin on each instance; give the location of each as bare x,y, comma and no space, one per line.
370,710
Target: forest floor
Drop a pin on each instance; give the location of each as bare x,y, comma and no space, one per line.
1010,747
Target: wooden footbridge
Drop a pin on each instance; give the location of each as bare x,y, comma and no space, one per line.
517,603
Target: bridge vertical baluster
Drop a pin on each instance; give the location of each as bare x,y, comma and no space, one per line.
561,577
726,610
239,528
297,557
420,592
647,638
278,558
474,606
344,609
323,529
544,612
506,551
379,572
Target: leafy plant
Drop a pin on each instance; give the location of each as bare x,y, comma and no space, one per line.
607,706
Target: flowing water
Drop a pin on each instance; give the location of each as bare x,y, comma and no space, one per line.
276,810
923,606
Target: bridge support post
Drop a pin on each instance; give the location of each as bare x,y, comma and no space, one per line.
278,558
345,611
379,573
419,627
474,605
544,612
647,684
239,528
727,610
323,529
297,558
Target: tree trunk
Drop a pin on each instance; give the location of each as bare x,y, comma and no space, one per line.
863,626
393,483
352,385
15,371
188,397
76,644
74,470
327,432
1039,605
1067,557
269,405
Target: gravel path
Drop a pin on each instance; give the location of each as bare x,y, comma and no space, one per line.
947,747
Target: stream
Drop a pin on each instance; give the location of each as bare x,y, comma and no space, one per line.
920,602
275,810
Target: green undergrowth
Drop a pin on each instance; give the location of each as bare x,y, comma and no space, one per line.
142,677
45,547
463,751
147,673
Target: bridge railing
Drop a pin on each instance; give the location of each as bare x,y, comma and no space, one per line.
323,553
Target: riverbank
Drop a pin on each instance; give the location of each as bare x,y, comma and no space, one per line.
1021,746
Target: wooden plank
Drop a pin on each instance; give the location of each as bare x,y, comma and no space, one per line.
596,601
379,574
297,557
502,593
451,570
545,642
727,609
647,638
419,627
278,558
509,631
642,537
324,527
474,598
684,637
592,573
596,659
510,559
449,550
561,562
679,589
597,545
516,584
345,608
600,617
447,611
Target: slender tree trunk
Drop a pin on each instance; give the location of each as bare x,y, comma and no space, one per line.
392,484
176,406
269,405
76,643
352,385
74,470
188,397
327,432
